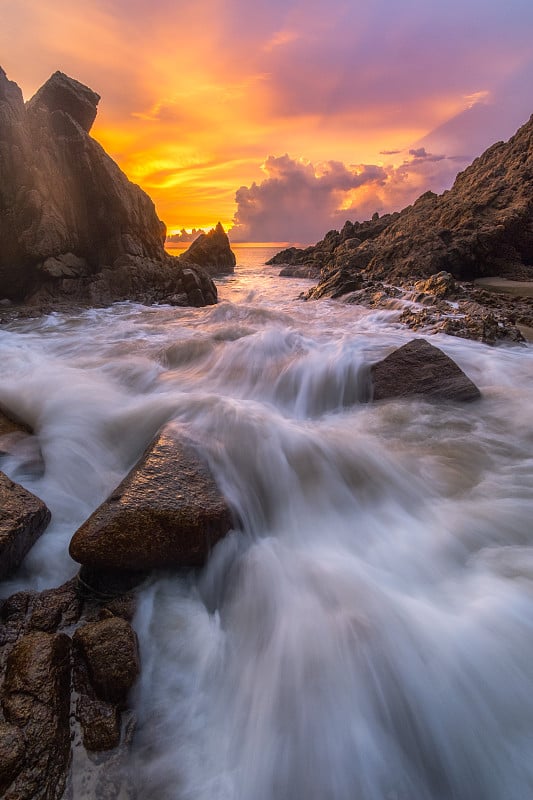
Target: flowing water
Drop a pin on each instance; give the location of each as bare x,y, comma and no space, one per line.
367,633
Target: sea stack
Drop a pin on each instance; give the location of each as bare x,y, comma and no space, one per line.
72,226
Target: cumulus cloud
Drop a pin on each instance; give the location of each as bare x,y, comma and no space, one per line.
299,201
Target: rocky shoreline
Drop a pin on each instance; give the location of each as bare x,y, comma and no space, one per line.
426,258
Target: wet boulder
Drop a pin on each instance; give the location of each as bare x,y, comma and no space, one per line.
23,518
36,701
109,648
167,513
420,368
212,251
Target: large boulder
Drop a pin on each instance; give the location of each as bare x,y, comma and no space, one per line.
213,252
72,226
23,518
168,512
420,368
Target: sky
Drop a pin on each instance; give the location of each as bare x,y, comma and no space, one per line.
284,118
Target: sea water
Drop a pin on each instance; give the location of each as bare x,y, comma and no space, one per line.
366,632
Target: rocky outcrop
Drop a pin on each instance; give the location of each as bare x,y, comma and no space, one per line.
168,512
23,519
337,250
213,252
482,226
72,226
420,368
55,711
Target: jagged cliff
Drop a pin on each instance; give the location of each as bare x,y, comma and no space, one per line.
482,226
72,226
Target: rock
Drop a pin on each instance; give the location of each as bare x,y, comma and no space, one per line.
168,512
212,251
420,368
34,678
12,751
482,226
36,700
8,424
72,225
23,518
308,271
109,648
440,286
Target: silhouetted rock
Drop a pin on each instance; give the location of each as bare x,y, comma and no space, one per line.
419,368
168,512
72,226
337,250
212,251
23,518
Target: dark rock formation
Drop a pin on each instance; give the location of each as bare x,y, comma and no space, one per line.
420,368
52,711
72,226
36,700
482,226
337,250
23,518
213,252
168,512
110,650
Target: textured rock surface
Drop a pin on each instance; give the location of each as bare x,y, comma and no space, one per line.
482,226
23,518
109,648
420,368
52,714
337,250
212,251
168,512
36,700
72,226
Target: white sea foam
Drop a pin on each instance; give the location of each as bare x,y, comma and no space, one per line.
366,633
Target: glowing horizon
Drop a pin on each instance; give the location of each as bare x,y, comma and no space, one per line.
286,116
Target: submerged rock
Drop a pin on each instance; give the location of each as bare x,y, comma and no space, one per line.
23,518
168,512
72,226
420,368
212,251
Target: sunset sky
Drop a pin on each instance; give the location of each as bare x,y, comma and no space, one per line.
284,118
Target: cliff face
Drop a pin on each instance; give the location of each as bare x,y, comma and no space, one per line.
482,226
72,226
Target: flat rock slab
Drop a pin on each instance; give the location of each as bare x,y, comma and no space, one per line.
168,512
420,368
23,518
